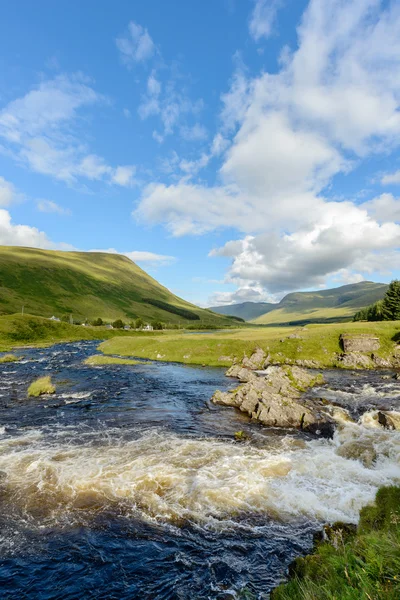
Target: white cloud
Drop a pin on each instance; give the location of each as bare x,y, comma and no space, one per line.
42,131
24,235
48,206
334,102
195,133
149,259
127,113
124,175
384,208
390,178
263,17
8,193
136,45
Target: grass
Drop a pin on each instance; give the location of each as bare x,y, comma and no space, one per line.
89,285
318,343
41,386
22,330
99,360
361,565
9,358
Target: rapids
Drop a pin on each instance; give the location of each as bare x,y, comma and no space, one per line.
128,484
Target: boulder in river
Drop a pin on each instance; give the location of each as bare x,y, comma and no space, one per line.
274,399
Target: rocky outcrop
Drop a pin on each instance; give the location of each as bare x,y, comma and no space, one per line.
359,343
274,399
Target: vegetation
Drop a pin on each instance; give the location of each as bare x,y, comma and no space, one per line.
387,309
118,324
41,386
317,343
99,360
97,322
19,330
182,312
8,358
89,286
360,565
322,306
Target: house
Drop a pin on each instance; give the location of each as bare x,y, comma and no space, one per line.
109,326
53,318
127,327
148,327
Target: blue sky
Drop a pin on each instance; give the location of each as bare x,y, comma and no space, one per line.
236,149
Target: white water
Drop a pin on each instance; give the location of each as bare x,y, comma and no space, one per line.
168,478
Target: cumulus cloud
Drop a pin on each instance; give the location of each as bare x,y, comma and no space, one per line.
24,235
333,103
263,17
8,193
124,175
48,206
391,178
136,45
41,131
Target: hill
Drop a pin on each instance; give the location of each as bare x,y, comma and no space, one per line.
246,310
89,285
321,306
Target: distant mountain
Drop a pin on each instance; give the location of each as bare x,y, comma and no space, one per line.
90,285
321,306
246,310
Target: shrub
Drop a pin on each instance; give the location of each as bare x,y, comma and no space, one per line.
157,325
118,324
97,322
41,386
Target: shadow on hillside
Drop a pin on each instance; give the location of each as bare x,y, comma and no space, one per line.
396,337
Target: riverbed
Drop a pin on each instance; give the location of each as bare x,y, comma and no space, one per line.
127,483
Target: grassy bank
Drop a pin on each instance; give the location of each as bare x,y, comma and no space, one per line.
360,565
318,343
22,330
98,360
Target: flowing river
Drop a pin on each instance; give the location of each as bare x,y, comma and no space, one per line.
128,484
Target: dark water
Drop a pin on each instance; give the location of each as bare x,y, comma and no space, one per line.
127,484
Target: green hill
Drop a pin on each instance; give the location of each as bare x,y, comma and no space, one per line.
89,285
321,306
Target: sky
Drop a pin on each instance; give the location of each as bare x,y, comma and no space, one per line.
237,150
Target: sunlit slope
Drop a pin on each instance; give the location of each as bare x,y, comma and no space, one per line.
335,304
88,285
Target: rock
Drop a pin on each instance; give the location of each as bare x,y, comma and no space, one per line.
356,360
274,399
225,359
308,364
256,360
382,363
359,343
358,450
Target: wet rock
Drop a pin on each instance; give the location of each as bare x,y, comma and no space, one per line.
358,450
359,343
274,400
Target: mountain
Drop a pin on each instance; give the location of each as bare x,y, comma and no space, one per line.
90,285
321,306
246,310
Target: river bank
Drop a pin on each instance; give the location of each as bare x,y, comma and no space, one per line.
317,346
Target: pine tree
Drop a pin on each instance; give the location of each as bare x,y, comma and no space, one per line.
391,302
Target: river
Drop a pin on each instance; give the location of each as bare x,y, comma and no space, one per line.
128,484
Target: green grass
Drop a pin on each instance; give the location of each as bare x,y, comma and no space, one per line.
99,360
316,342
364,565
41,386
8,358
90,285
22,330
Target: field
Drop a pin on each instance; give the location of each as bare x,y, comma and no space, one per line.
90,285
315,342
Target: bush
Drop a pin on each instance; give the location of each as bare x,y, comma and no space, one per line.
41,386
97,322
157,325
139,324
118,324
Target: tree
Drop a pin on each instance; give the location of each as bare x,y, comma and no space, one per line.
97,322
139,324
157,325
391,302
118,324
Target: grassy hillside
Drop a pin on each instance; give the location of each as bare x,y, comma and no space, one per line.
338,304
89,285
317,343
